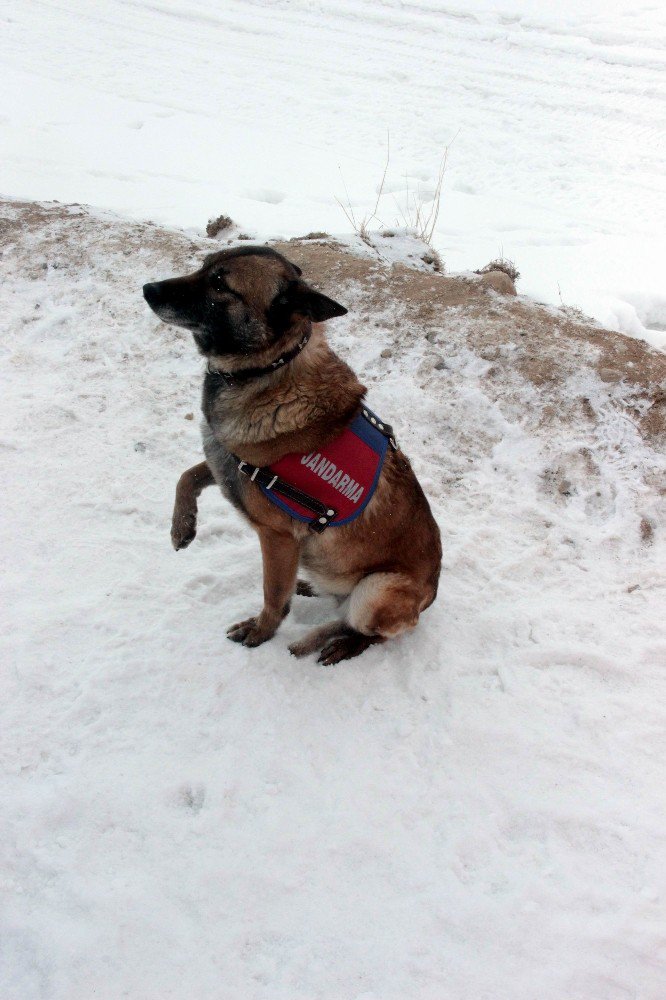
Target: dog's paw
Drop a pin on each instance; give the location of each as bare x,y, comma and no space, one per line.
315,639
249,632
301,648
344,647
183,531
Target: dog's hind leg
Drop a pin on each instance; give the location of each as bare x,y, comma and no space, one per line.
386,604
184,518
338,639
343,647
382,606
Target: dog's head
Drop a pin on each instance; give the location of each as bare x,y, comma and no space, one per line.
242,301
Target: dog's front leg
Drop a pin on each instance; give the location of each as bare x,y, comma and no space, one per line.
280,556
184,518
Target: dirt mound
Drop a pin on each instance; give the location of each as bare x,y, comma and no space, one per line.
549,347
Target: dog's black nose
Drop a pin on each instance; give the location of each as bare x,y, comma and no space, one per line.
151,293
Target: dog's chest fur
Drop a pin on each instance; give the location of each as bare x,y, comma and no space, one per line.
290,412
239,419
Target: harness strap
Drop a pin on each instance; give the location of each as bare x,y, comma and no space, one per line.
267,478
384,428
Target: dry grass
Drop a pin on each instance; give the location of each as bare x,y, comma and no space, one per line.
501,263
421,214
360,226
218,225
433,259
574,313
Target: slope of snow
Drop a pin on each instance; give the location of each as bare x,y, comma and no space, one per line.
475,812
554,114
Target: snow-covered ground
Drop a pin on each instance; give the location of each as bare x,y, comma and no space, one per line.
176,110
474,812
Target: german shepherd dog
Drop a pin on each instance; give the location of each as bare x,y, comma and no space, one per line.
250,313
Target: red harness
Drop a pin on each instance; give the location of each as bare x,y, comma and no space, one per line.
336,483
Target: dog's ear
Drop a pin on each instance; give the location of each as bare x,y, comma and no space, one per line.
304,299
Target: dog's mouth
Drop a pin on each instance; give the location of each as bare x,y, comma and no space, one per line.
164,307
154,295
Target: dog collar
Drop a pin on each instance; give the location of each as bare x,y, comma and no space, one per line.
247,374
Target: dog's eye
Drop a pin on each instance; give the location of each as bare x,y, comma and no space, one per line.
218,283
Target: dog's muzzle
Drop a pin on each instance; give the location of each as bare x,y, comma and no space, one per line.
152,294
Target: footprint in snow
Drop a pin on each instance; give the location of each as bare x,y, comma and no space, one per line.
191,797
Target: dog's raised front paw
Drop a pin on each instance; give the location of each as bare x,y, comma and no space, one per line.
249,632
183,531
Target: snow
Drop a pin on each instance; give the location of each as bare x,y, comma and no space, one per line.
553,116
476,811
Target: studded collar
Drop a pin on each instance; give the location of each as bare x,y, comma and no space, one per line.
243,375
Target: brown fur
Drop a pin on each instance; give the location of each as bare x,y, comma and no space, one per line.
387,560
188,490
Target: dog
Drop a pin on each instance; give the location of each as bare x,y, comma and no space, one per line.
273,391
